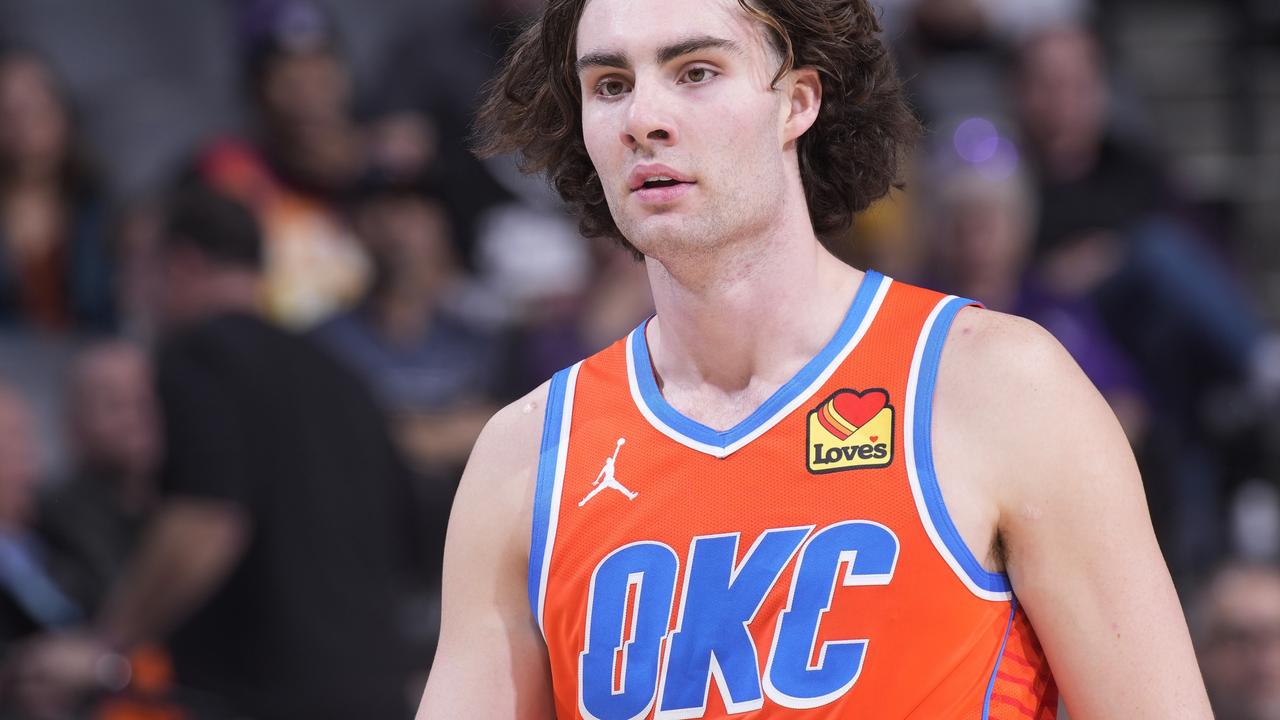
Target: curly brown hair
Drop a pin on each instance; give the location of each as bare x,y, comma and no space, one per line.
849,158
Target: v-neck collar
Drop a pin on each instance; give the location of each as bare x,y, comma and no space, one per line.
721,443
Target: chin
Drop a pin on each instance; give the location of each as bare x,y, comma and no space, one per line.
658,231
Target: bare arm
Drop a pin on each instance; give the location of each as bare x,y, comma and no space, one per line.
190,547
198,534
491,661
1073,521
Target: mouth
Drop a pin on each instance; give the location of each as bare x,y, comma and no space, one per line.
662,193
660,182
656,177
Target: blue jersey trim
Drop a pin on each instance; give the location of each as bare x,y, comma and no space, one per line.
548,457
991,685
652,396
989,581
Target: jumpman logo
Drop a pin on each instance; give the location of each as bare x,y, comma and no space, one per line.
606,478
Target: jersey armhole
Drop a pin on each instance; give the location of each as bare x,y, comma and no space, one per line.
918,424
548,485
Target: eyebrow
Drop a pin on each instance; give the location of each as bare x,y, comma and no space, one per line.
603,59
694,44
665,54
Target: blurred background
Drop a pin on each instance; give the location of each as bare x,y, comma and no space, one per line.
257,301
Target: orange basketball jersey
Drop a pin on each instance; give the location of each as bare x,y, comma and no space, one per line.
798,565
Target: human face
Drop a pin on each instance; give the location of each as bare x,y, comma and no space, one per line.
1062,94
113,411
307,88
34,126
679,90
408,239
1240,648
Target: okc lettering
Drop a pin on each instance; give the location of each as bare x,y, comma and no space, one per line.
825,456
623,671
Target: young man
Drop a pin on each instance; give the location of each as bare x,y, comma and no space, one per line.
822,487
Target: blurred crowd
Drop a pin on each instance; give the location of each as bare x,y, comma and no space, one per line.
234,407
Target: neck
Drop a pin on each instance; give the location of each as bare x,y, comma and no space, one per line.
739,321
227,291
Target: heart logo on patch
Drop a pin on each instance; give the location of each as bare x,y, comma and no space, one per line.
840,431
858,408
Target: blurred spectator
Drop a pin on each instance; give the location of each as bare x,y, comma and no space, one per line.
983,228
32,594
434,69
1237,628
137,243
436,368
304,155
1112,229
885,237
94,518
1111,220
1015,18
512,228
283,533
1090,178
566,323
953,59
55,265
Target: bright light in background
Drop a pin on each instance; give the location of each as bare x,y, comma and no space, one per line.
1003,162
976,140
978,143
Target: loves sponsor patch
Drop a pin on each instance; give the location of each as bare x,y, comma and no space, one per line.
851,429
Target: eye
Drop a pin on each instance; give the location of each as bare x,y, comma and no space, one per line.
611,87
698,75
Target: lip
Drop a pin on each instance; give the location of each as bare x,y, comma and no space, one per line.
640,173
663,195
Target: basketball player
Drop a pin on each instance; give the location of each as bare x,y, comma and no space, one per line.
801,490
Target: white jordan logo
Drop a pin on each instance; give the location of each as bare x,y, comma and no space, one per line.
606,478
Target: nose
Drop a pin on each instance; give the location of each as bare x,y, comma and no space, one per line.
649,120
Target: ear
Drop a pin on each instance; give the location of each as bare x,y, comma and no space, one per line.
804,99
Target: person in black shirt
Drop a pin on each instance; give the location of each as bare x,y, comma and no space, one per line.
94,516
1115,234
283,535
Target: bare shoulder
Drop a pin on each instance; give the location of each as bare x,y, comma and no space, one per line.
499,479
492,512
985,344
1040,446
490,661
1014,393
1024,429
513,432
